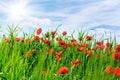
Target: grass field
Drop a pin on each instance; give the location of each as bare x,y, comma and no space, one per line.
57,56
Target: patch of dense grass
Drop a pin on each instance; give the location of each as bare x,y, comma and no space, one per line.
53,56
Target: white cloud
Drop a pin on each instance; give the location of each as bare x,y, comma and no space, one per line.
2,7
25,17
94,13
89,15
35,22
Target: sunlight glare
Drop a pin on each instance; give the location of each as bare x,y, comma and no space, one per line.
17,11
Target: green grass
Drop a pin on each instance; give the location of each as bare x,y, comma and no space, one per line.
16,65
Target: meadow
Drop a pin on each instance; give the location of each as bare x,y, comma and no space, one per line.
57,56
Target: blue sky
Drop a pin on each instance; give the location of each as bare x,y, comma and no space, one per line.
72,14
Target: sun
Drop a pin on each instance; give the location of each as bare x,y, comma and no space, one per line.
17,11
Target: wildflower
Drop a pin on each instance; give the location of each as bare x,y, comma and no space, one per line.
59,53
89,53
107,44
26,41
44,72
116,56
57,38
36,38
64,33
39,30
112,51
28,53
99,43
41,38
98,55
22,39
117,71
58,56
106,48
74,43
66,45
83,44
75,62
53,32
45,41
118,48
88,37
95,48
80,49
102,47
17,39
50,42
51,51
62,42
109,70
7,40
63,70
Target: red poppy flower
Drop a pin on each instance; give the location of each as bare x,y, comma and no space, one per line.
102,47
58,55
63,70
17,39
50,42
39,30
74,43
95,48
107,44
116,56
117,71
64,32
57,38
62,42
45,41
109,70
44,72
7,40
80,49
53,32
51,51
118,48
66,45
89,53
99,43
26,41
112,51
88,37
28,53
36,38
83,44
41,38
75,62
